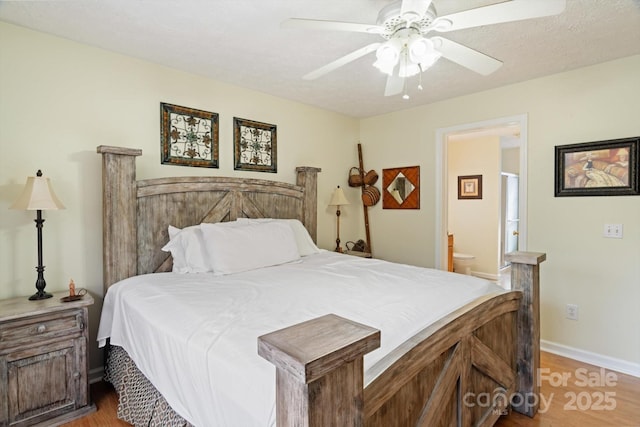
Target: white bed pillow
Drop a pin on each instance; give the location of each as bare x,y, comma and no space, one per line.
305,243
252,246
188,250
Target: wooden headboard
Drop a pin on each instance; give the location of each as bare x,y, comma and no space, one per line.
136,214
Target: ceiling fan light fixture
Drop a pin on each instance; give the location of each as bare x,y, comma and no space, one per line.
408,69
422,51
406,51
385,66
418,47
429,60
387,56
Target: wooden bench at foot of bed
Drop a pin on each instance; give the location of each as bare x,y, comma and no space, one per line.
466,369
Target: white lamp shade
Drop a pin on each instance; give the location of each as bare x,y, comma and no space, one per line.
37,195
338,198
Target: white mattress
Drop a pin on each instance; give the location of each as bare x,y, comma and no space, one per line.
194,336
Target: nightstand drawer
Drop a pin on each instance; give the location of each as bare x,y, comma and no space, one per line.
43,327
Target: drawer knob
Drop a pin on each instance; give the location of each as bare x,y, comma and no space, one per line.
80,321
41,329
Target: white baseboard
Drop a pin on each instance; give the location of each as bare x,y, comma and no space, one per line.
96,374
603,361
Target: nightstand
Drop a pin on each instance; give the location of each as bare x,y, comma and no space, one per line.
43,361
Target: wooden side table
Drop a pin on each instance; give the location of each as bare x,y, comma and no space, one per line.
43,361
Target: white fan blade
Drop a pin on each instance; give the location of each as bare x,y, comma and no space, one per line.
414,10
342,61
514,10
465,56
394,86
315,24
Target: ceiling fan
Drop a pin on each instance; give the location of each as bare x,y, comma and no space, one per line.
407,51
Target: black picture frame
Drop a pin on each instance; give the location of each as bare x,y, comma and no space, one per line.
599,168
255,146
470,187
188,137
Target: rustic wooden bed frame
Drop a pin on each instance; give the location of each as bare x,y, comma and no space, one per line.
464,370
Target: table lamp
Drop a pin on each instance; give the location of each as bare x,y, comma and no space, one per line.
338,199
37,196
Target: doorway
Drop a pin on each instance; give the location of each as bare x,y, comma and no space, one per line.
516,128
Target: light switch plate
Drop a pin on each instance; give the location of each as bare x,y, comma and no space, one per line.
613,231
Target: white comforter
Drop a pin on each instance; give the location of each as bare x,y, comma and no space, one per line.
195,335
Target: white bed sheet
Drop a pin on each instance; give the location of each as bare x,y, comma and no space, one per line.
194,336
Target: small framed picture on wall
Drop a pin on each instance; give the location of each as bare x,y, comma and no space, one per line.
255,146
188,137
470,187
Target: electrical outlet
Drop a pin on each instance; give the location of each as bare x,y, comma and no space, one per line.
572,312
613,231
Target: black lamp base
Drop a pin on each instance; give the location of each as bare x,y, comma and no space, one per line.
40,282
40,295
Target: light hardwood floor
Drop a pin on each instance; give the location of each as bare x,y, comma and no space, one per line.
587,397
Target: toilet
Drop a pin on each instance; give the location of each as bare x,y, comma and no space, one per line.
462,263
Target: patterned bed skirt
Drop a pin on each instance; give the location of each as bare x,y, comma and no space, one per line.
139,403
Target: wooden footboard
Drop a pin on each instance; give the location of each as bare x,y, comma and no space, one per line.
466,370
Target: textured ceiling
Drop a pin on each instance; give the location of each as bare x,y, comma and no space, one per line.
241,42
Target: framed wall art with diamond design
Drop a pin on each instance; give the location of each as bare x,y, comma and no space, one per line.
189,137
255,146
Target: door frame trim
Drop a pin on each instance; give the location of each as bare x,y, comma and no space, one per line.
441,187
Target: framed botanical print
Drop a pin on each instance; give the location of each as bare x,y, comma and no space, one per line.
601,168
189,137
255,146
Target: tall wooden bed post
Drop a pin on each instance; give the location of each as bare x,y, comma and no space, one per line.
307,177
120,251
525,277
